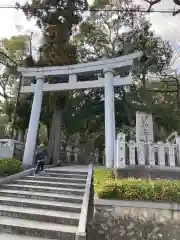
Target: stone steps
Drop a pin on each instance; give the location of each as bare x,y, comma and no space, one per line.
68,218
71,172
46,207
37,228
49,183
5,236
63,175
57,179
41,196
43,189
40,204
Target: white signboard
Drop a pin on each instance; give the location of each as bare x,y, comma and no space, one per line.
144,127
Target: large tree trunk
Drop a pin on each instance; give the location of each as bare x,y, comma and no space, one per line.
57,135
38,140
55,138
21,135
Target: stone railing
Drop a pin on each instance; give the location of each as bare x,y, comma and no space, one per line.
146,154
11,148
16,176
69,154
6,148
87,209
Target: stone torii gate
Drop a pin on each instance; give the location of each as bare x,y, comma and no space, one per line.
73,72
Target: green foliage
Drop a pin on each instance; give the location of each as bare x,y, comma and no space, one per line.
57,21
16,47
101,35
111,34
102,176
135,189
23,113
57,27
10,166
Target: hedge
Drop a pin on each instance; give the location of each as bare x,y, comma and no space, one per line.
102,176
10,166
107,187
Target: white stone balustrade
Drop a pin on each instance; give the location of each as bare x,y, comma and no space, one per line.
153,154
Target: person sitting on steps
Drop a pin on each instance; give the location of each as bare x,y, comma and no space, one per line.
39,158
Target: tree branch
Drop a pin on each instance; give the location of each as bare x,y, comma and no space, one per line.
162,91
176,12
3,83
177,2
151,3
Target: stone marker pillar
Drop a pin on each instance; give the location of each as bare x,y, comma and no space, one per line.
144,136
144,127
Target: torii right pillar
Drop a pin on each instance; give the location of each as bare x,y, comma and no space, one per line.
109,118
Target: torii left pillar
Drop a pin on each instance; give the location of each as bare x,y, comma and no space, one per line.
30,145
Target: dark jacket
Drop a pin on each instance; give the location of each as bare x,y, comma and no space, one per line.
40,154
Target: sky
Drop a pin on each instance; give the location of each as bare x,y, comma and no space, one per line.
13,22
166,25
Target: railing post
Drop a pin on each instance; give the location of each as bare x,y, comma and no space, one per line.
141,153
11,146
132,152
178,155
121,151
171,155
151,154
161,154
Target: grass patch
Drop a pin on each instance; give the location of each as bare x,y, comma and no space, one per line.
107,187
10,166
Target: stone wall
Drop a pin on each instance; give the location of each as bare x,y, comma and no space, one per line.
126,220
148,172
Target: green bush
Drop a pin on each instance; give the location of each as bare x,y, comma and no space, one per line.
135,189
101,177
10,167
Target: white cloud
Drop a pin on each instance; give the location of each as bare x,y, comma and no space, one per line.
9,18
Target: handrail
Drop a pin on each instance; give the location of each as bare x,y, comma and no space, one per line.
81,232
16,176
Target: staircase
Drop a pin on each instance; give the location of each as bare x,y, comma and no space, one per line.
48,206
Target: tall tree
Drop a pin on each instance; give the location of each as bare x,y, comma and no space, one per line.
56,19
111,34
13,51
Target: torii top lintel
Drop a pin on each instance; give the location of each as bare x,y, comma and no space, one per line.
112,63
